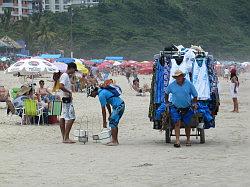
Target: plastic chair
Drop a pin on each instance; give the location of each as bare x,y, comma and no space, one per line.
55,108
31,109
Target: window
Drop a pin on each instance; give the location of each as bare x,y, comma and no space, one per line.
57,7
56,1
47,7
46,1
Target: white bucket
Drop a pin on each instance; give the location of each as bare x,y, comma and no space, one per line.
78,133
105,136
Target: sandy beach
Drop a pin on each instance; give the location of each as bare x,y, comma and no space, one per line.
34,155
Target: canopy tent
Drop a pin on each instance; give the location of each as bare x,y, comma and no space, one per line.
115,58
50,56
65,60
11,43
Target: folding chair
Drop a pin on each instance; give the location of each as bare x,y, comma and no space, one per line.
31,109
55,108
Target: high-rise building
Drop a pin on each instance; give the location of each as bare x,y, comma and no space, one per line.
20,8
24,8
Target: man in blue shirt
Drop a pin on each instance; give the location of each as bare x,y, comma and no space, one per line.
182,91
108,99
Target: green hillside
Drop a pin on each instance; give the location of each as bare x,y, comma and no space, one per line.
137,29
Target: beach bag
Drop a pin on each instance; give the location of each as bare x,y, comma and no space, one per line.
114,89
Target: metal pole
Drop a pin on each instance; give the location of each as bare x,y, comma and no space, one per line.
71,33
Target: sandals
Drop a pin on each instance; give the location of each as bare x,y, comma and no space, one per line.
177,145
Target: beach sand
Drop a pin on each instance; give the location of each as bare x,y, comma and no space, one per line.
34,155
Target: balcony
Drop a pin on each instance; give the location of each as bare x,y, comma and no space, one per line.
7,5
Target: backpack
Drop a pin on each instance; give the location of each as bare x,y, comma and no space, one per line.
114,89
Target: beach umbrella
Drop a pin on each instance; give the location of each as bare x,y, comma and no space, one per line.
82,68
31,67
105,65
117,63
62,67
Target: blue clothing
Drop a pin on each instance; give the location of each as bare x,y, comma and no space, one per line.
106,97
116,116
159,83
160,111
182,94
177,116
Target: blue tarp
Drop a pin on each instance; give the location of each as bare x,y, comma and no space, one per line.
65,60
116,58
98,61
50,55
22,55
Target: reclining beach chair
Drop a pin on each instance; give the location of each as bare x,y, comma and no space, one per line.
31,109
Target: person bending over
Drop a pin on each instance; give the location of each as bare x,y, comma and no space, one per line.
107,99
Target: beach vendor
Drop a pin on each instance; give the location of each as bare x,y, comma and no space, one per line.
109,97
181,106
68,113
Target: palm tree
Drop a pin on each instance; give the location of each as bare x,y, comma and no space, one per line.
6,18
45,36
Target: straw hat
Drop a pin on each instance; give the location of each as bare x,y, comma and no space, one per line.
177,73
24,90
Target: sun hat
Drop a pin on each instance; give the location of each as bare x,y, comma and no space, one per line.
177,73
24,90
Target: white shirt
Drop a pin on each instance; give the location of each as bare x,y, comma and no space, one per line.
183,67
226,71
201,81
65,80
189,58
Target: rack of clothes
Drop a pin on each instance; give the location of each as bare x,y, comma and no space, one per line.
199,68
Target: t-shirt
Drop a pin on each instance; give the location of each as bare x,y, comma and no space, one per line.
65,80
106,97
182,94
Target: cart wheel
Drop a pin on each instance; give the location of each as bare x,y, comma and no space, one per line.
202,136
168,136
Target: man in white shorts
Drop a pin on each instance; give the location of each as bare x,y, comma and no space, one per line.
68,113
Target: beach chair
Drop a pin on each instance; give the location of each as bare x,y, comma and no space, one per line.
55,108
31,109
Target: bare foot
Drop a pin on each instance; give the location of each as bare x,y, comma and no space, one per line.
69,141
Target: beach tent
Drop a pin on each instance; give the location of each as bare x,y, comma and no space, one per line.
115,58
50,56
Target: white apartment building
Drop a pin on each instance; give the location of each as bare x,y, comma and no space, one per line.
24,8
63,5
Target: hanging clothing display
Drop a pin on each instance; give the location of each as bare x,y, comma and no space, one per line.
200,79
182,67
189,58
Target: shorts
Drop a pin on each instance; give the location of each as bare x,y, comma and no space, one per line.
177,116
68,111
116,115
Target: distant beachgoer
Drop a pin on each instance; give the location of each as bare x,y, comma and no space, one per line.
128,74
234,90
226,73
43,92
108,99
140,91
68,112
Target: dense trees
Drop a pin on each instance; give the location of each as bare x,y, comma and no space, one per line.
139,28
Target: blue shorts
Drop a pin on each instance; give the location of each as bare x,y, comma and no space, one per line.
177,116
116,115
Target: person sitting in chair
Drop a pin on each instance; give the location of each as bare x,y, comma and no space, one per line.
181,105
